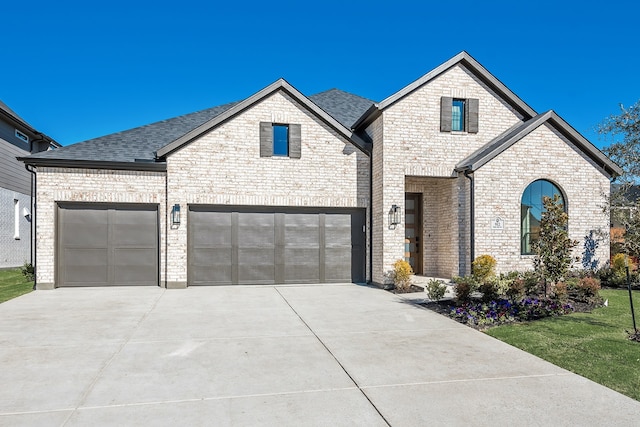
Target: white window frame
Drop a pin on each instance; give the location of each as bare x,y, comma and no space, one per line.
22,136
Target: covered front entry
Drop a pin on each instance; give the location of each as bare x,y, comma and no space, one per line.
107,244
266,245
432,225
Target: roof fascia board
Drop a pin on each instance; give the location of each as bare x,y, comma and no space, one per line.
280,84
16,121
596,155
474,66
92,164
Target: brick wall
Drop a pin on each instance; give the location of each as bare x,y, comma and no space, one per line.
543,154
90,185
413,146
224,167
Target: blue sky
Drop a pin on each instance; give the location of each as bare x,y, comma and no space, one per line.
78,70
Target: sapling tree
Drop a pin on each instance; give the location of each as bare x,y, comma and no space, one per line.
553,247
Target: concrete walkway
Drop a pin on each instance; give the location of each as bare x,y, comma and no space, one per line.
324,355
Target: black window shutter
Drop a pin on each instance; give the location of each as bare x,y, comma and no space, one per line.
266,139
295,141
446,105
473,106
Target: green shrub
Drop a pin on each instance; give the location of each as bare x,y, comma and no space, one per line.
531,283
618,263
28,271
463,287
483,267
402,272
436,289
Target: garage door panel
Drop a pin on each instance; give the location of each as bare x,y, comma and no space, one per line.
107,245
302,265
135,266
213,229
86,266
271,245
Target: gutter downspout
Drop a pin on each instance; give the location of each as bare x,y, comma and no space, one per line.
32,239
370,281
469,175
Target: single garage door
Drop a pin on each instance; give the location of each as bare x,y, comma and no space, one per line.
275,245
107,245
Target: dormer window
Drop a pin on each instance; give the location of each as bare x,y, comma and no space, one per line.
24,137
459,115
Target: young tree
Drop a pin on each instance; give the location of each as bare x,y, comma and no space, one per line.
623,205
553,247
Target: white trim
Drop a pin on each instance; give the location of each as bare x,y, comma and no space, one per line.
22,136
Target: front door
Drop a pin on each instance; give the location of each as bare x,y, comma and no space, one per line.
413,231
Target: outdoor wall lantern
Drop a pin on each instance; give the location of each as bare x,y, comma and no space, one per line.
394,215
175,214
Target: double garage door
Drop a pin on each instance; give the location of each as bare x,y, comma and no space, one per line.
232,245
117,245
104,244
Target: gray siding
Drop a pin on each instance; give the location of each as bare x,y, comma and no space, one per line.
14,252
13,175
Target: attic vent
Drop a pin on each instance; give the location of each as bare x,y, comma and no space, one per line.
22,136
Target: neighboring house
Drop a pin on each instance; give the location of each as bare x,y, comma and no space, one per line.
284,188
17,139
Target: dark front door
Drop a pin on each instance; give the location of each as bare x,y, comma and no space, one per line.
413,231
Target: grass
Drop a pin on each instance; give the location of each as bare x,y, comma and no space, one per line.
594,345
13,284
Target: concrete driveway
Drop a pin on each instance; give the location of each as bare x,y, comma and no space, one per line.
325,355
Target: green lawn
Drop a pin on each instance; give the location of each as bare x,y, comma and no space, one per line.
13,284
594,345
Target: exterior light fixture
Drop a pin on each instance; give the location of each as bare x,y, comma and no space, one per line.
175,214
394,215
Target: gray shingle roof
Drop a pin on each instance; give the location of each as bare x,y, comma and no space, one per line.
134,144
343,106
140,144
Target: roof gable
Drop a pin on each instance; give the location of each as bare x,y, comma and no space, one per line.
472,65
501,143
279,85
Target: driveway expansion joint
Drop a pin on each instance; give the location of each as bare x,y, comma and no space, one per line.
334,358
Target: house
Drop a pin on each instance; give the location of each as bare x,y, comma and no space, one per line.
285,188
17,139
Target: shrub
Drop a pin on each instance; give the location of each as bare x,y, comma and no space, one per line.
589,287
28,271
463,287
516,289
436,290
531,283
483,267
618,263
402,272
489,290
560,291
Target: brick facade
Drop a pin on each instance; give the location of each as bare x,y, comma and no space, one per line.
224,167
90,185
409,154
412,155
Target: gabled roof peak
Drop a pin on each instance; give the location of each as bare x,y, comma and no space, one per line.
472,65
502,142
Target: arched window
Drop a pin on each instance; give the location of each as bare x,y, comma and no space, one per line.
531,211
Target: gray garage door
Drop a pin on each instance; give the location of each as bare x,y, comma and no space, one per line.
272,246
103,245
